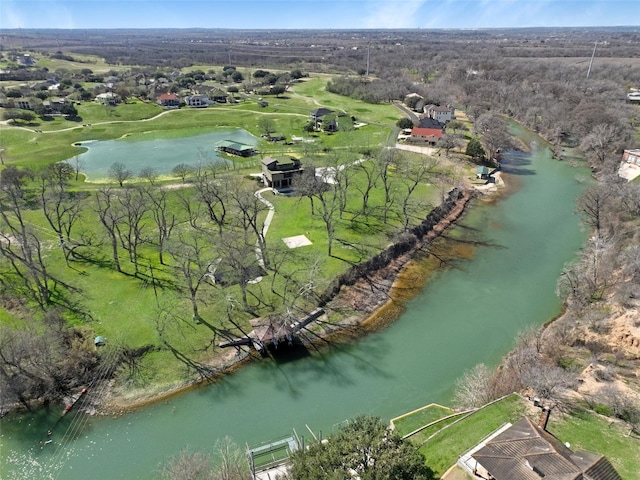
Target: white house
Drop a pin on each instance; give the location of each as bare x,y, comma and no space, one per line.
197,101
108,98
439,113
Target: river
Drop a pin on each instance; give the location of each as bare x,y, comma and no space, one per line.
466,314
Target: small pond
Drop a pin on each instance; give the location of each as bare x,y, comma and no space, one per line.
160,154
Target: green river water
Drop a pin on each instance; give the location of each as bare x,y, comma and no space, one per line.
463,316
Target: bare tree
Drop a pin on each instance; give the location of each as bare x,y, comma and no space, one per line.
448,143
342,171
413,174
371,174
183,170
231,462
329,206
476,387
238,262
593,204
78,165
600,141
227,462
61,208
248,213
308,184
134,205
110,217
149,174
267,126
187,466
494,133
43,362
193,263
386,159
19,244
164,219
214,194
119,172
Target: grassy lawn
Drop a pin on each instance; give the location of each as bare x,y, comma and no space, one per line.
127,309
422,436
46,141
443,450
407,424
92,62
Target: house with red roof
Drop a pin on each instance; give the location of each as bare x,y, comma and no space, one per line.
168,100
425,135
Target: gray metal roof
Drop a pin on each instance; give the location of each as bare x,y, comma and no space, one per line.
528,452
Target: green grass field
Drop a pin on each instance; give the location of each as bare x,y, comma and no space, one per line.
443,449
127,309
411,422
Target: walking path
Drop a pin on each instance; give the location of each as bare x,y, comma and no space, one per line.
265,228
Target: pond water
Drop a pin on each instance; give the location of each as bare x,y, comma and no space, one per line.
160,154
463,316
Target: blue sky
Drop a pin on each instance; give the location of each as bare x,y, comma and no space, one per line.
337,14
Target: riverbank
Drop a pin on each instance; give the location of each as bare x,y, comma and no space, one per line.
365,299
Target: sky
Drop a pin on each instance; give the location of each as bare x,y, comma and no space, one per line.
317,14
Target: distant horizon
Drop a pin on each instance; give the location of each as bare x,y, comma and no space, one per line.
345,29
314,15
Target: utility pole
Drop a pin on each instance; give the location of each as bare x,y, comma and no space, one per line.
592,55
368,57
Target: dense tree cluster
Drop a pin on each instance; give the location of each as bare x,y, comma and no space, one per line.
364,448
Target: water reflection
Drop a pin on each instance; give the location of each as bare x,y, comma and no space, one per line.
162,155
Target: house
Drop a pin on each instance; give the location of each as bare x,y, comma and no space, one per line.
630,165
526,451
429,122
168,100
482,173
631,157
197,101
315,116
235,148
439,113
279,172
218,95
23,103
108,98
25,59
425,135
55,104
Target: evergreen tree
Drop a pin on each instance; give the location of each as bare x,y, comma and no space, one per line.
474,149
